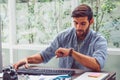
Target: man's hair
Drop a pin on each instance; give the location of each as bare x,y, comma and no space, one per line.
82,11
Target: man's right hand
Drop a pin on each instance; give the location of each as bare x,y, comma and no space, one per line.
21,63
35,59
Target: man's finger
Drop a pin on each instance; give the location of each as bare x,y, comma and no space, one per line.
59,54
26,66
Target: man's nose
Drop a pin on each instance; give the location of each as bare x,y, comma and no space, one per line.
79,26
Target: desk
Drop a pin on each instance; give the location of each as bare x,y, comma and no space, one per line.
78,72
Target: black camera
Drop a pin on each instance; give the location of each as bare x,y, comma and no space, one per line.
9,73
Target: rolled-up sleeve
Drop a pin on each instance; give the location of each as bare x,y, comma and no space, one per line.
100,52
49,52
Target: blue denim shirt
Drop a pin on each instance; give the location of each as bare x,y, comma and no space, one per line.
93,45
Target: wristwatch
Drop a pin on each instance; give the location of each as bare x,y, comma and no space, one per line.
70,51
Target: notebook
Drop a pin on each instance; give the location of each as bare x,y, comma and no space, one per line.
92,76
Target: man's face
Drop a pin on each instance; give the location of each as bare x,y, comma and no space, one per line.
82,26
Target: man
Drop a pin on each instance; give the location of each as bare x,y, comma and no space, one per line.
77,47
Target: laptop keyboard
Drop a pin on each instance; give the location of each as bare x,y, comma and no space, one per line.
45,71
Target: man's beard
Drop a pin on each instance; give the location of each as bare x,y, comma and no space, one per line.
81,34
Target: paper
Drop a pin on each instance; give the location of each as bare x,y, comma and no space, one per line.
92,76
1,75
95,75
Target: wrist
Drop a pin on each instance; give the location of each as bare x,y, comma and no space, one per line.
70,52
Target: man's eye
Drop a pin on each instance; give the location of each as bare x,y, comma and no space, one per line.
83,24
75,22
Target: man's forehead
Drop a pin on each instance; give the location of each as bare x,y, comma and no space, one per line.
78,19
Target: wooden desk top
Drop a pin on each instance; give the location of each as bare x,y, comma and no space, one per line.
78,72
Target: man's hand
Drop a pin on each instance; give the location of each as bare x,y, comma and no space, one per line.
21,63
34,59
62,52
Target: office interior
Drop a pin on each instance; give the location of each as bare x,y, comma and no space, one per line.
28,26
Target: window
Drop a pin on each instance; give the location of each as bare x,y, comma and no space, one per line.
31,25
4,21
38,22
107,19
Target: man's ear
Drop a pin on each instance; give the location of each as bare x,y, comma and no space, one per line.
91,21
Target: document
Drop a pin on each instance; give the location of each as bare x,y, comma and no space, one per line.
92,76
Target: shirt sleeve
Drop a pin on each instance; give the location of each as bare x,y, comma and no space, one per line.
100,52
49,52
